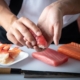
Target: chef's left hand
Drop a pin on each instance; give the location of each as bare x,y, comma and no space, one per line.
50,22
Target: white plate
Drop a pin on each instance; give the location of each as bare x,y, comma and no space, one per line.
22,55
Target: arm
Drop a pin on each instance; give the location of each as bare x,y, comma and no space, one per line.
17,29
6,16
69,6
52,18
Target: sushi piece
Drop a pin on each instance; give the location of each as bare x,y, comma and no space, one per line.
50,57
14,52
41,41
4,58
4,47
8,55
71,49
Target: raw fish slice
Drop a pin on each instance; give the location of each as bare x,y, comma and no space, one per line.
4,47
71,49
51,57
41,41
7,47
14,52
7,55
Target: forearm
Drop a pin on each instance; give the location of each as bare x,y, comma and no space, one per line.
69,6
6,16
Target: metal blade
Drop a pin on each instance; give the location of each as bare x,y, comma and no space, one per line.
46,74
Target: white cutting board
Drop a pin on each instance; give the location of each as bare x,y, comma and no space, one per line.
34,64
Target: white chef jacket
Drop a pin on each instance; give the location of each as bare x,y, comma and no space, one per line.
33,8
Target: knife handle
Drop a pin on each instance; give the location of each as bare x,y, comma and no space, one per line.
5,70
10,71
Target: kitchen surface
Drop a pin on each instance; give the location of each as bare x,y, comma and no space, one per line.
33,64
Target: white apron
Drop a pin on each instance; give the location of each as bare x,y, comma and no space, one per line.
33,8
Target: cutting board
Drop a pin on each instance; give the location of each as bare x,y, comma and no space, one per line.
33,64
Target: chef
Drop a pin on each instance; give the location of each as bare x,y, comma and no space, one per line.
54,19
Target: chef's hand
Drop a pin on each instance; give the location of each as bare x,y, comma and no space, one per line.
18,32
51,22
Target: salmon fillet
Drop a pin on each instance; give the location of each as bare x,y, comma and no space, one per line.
71,49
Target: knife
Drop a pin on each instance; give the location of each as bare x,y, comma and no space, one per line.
39,74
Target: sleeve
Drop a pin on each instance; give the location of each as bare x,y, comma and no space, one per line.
68,19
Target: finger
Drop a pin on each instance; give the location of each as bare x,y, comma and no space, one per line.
26,33
12,38
57,33
19,37
24,39
30,25
29,44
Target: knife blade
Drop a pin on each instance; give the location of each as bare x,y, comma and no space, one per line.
49,74
39,74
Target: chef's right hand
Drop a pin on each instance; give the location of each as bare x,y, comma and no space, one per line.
18,32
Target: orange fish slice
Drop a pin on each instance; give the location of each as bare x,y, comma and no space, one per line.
41,41
7,55
14,52
7,47
4,47
71,49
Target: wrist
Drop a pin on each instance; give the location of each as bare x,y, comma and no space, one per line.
7,18
68,7
58,7
65,7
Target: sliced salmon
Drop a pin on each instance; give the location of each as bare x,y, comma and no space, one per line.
50,57
71,49
5,47
41,41
8,55
14,52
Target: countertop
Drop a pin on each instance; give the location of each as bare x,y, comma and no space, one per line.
33,64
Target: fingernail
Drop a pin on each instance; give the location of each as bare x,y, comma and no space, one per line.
38,33
33,43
